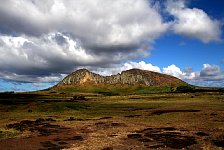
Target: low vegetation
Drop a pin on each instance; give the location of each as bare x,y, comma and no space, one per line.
139,120
8,133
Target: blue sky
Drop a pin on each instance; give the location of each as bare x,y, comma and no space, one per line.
183,38
185,52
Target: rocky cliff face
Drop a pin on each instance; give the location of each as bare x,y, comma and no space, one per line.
129,77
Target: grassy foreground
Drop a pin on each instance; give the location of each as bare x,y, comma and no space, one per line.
165,121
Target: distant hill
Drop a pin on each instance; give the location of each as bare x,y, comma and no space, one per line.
134,81
129,77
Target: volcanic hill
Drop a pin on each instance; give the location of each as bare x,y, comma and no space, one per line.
133,81
129,77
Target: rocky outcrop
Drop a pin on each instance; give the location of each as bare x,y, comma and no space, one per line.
129,77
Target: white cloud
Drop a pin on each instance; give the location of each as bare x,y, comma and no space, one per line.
126,66
57,36
44,53
187,74
8,76
173,70
209,75
94,23
194,23
141,65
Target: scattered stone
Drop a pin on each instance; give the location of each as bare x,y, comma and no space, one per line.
78,97
107,148
219,143
132,116
50,146
144,140
40,125
157,146
213,114
57,139
62,143
168,128
202,134
160,112
50,120
173,140
105,118
163,137
112,135
76,138
114,124
134,136
71,119
99,123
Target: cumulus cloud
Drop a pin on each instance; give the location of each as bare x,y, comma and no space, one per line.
97,24
42,41
194,23
41,56
211,72
9,76
173,70
57,36
187,74
126,66
141,65
209,75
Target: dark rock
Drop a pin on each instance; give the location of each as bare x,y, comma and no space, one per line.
107,148
213,114
144,140
134,136
50,120
78,97
76,138
202,134
164,137
105,118
62,143
159,112
219,143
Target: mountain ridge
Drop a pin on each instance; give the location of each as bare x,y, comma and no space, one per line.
128,77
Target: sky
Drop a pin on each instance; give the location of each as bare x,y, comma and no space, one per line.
43,41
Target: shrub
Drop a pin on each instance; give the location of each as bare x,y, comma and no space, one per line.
185,89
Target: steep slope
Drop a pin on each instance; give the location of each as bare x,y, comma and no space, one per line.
129,77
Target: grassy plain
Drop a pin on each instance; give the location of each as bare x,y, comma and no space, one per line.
54,120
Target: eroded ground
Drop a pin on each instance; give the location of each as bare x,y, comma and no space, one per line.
156,121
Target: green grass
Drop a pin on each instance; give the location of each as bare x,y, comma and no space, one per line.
61,107
115,106
8,133
113,90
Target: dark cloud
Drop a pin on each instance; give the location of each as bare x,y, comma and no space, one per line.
188,70
41,38
210,71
